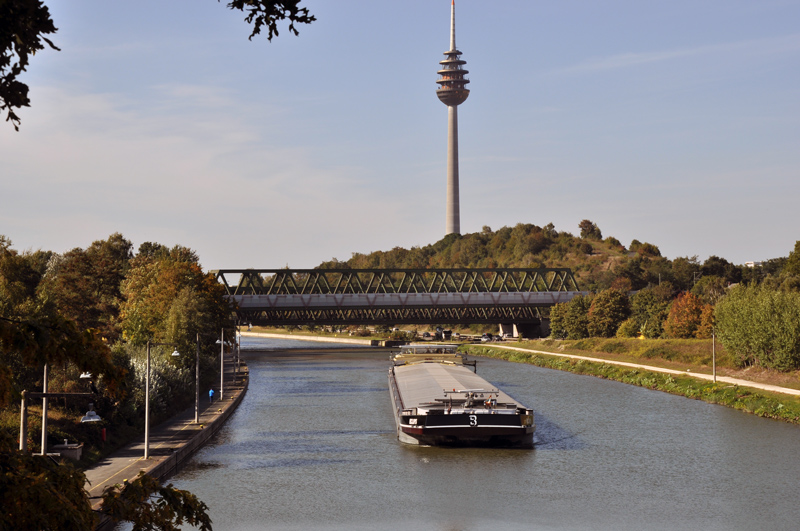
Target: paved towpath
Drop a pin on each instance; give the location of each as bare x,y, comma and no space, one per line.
171,442
725,379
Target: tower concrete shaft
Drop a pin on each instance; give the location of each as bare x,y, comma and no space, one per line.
452,92
453,210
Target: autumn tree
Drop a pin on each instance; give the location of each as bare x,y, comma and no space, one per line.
707,323
168,298
683,321
608,310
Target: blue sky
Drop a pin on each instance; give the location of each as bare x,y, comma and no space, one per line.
676,123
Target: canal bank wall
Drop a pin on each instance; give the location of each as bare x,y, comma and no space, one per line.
326,339
172,443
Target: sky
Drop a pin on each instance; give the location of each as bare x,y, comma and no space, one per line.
675,123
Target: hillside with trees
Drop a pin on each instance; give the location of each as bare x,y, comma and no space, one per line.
635,291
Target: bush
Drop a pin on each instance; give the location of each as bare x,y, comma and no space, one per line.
629,328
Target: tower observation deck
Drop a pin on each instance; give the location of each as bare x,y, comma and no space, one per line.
452,92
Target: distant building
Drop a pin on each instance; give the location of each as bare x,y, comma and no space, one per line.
754,264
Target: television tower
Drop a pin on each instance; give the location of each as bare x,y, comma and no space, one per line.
452,92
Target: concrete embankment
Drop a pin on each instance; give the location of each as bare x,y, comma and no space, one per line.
324,339
172,443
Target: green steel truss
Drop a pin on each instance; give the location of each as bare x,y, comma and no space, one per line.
241,284
341,281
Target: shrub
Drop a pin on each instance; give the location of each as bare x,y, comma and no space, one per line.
629,328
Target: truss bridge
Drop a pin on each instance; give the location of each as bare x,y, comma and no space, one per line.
396,296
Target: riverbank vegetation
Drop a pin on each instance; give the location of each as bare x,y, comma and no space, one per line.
761,403
92,312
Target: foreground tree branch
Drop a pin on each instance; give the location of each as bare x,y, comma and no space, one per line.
24,24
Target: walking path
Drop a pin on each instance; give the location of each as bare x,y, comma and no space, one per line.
171,442
725,379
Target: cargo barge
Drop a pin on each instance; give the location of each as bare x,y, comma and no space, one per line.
439,400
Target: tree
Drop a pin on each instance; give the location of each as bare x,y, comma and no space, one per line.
22,33
792,265
710,289
716,266
85,285
760,326
684,272
25,24
589,230
608,311
707,323
42,494
684,317
649,309
570,320
558,321
37,493
169,298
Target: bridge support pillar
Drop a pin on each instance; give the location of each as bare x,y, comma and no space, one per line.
505,328
526,330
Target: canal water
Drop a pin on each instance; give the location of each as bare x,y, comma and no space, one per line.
313,446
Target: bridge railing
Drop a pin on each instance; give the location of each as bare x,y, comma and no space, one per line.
365,281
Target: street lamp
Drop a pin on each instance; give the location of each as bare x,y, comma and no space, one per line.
91,416
196,380
147,397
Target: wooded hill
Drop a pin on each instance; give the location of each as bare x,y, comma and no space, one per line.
598,263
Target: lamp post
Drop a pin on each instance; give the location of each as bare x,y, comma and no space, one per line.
44,412
222,364
714,352
196,380
147,398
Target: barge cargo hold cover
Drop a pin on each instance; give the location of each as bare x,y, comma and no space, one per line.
438,400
